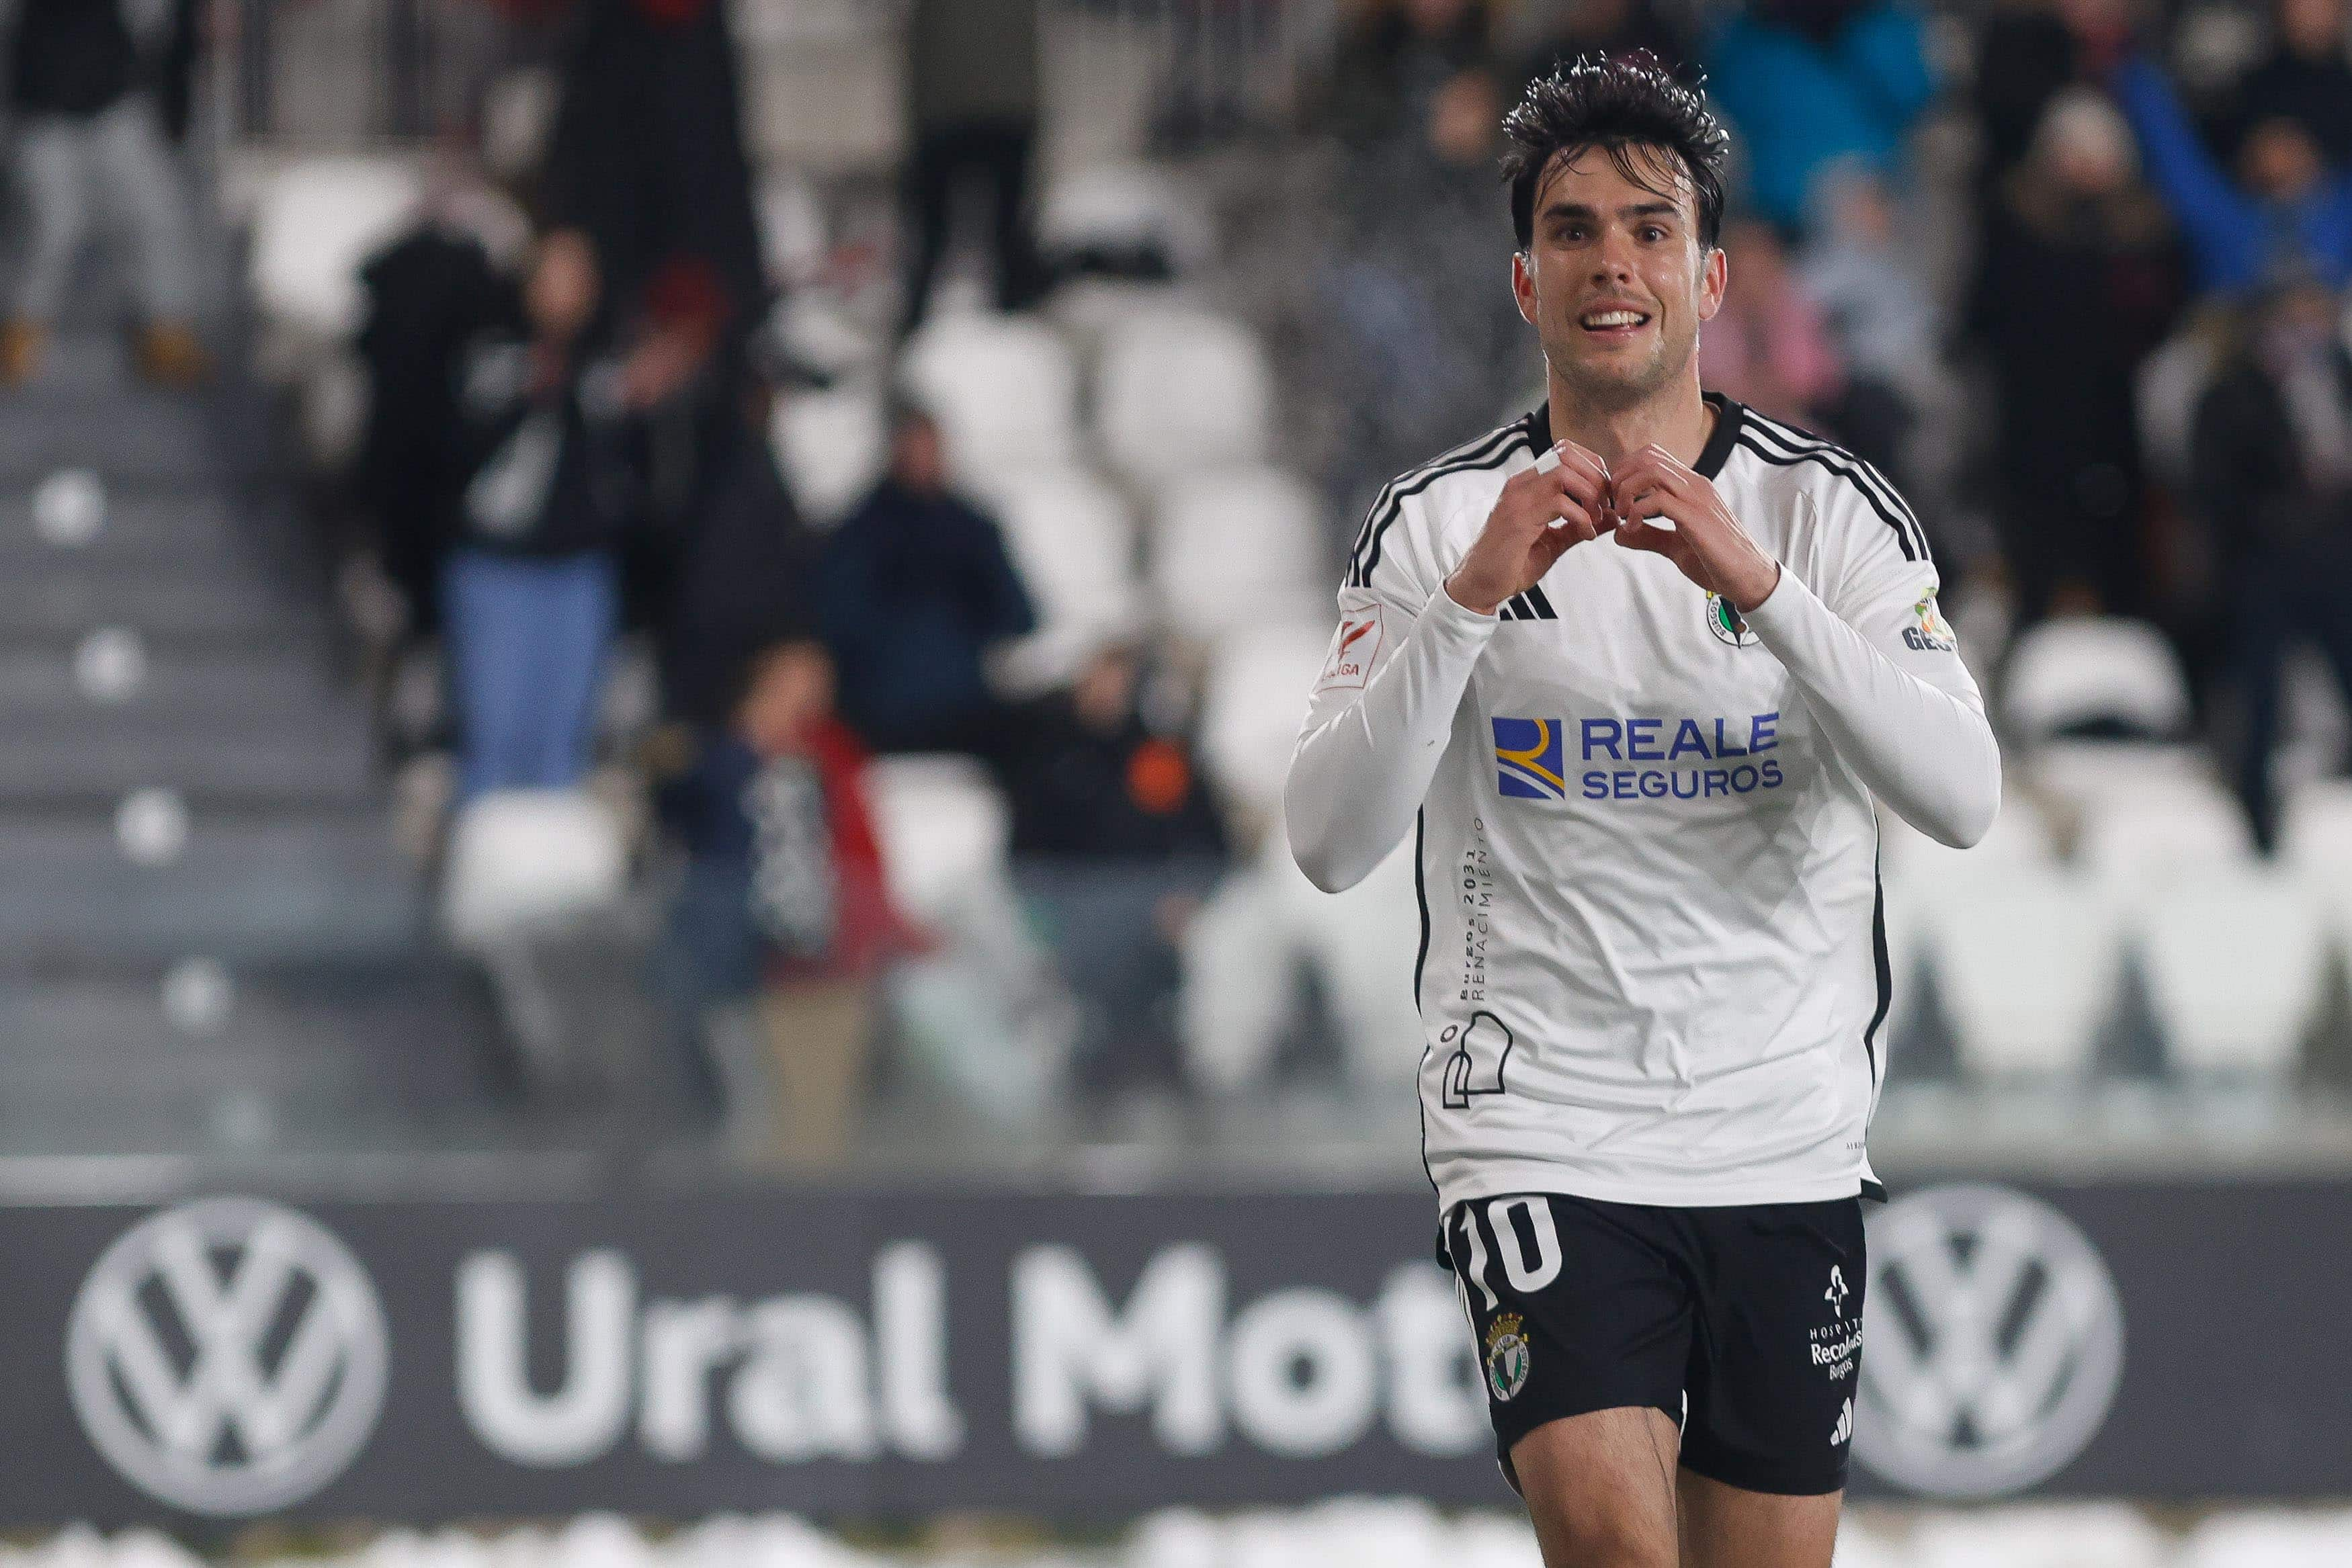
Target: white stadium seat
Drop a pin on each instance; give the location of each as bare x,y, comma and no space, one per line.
314,219
2028,965
1178,392
1235,548
831,447
2235,963
1127,207
1256,697
943,829
1073,538
2086,774
2084,1535
2315,835
523,861
1004,388
2105,671
2161,829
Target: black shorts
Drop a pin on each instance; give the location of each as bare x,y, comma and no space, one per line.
1743,1324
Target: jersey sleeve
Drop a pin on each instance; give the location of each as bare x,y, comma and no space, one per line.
1879,668
1382,709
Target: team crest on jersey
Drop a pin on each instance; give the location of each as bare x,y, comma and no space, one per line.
1929,633
1725,622
1507,1357
1527,759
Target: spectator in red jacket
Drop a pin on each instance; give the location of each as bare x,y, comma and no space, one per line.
784,922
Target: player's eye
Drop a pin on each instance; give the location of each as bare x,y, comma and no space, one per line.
1653,232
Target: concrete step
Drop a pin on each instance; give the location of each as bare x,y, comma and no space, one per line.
124,434
274,887
186,687
264,759
101,1061
129,525
212,606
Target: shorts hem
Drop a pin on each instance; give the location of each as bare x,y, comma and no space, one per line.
1513,1177
1772,1482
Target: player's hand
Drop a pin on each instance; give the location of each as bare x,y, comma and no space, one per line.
1665,507
1541,513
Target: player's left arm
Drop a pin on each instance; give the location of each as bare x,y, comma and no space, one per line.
1879,669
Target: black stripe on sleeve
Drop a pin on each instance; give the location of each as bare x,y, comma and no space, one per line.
1788,460
1882,497
1489,451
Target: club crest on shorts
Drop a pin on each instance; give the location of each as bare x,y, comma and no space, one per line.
1507,1357
1724,621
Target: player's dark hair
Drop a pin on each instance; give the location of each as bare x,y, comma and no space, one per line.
1626,107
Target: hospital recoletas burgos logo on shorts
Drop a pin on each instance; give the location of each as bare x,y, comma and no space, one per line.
227,1357
1996,1342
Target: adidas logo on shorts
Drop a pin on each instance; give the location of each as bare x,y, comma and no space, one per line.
1844,1427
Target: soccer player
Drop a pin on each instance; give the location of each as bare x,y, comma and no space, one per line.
1631,672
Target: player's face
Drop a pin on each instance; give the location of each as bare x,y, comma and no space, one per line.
1614,279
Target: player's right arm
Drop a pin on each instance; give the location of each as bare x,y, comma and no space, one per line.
1410,634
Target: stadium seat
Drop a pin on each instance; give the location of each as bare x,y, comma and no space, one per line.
522,860
2163,828
2029,965
2271,1539
1256,696
2105,674
1073,538
2315,835
2085,1535
831,447
1234,548
943,830
1004,388
314,219
2235,963
1178,392
2082,775
1111,214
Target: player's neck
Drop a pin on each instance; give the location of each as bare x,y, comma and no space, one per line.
1677,418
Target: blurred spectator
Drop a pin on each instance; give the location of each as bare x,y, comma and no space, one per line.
430,293
646,159
972,84
1879,314
1116,838
2273,482
914,588
745,570
1396,59
784,907
2076,283
2030,52
531,594
1806,82
1541,34
1770,345
2283,210
1427,335
89,137
2303,78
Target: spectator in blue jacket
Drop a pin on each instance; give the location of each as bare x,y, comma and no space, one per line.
2285,212
1808,82
912,591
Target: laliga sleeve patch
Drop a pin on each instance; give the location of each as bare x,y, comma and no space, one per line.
1353,646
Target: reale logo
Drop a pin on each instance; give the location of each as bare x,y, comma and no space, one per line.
227,1357
1996,1342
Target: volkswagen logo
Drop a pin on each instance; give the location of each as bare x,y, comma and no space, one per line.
227,1357
1996,1342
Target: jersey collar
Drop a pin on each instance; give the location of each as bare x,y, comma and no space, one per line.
1728,413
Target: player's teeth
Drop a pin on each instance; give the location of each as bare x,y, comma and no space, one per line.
1614,318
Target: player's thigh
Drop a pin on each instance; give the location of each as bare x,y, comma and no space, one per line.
1600,1489
1729,1527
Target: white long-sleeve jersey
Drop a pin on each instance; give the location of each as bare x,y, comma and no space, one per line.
1653,964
